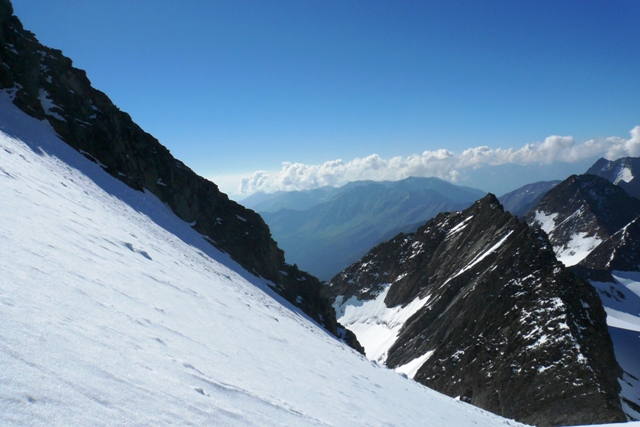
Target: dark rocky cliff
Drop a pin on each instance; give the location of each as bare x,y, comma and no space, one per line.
509,329
619,252
45,85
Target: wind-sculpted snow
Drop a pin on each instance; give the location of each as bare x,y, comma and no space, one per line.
115,312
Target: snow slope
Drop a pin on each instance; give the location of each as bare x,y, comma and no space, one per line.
621,300
376,325
578,246
115,312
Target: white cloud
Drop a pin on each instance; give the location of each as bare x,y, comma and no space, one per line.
441,163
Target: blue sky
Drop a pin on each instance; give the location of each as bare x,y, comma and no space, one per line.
235,87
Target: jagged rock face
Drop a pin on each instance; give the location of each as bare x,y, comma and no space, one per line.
523,199
580,213
44,84
619,252
603,212
613,268
621,172
477,306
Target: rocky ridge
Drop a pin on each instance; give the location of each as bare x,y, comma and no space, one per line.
580,213
621,172
619,252
476,305
43,83
601,210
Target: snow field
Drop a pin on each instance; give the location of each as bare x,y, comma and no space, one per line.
621,300
115,312
376,326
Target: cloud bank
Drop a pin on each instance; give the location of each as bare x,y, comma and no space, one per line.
441,163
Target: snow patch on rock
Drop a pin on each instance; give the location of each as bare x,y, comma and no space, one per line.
624,174
577,248
376,326
411,369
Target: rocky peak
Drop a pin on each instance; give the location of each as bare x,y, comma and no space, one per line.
580,213
475,305
621,172
44,84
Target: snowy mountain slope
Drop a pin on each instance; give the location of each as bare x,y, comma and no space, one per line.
475,304
580,213
45,85
113,311
621,298
622,172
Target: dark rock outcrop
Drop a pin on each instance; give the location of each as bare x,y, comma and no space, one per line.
619,252
501,323
45,85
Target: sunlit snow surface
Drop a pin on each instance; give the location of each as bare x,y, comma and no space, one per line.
624,174
546,221
114,312
411,368
376,326
621,300
576,249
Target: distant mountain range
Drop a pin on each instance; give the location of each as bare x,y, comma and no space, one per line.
523,199
325,230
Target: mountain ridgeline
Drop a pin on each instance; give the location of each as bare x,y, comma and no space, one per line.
594,226
43,83
582,212
325,230
478,307
523,199
621,172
